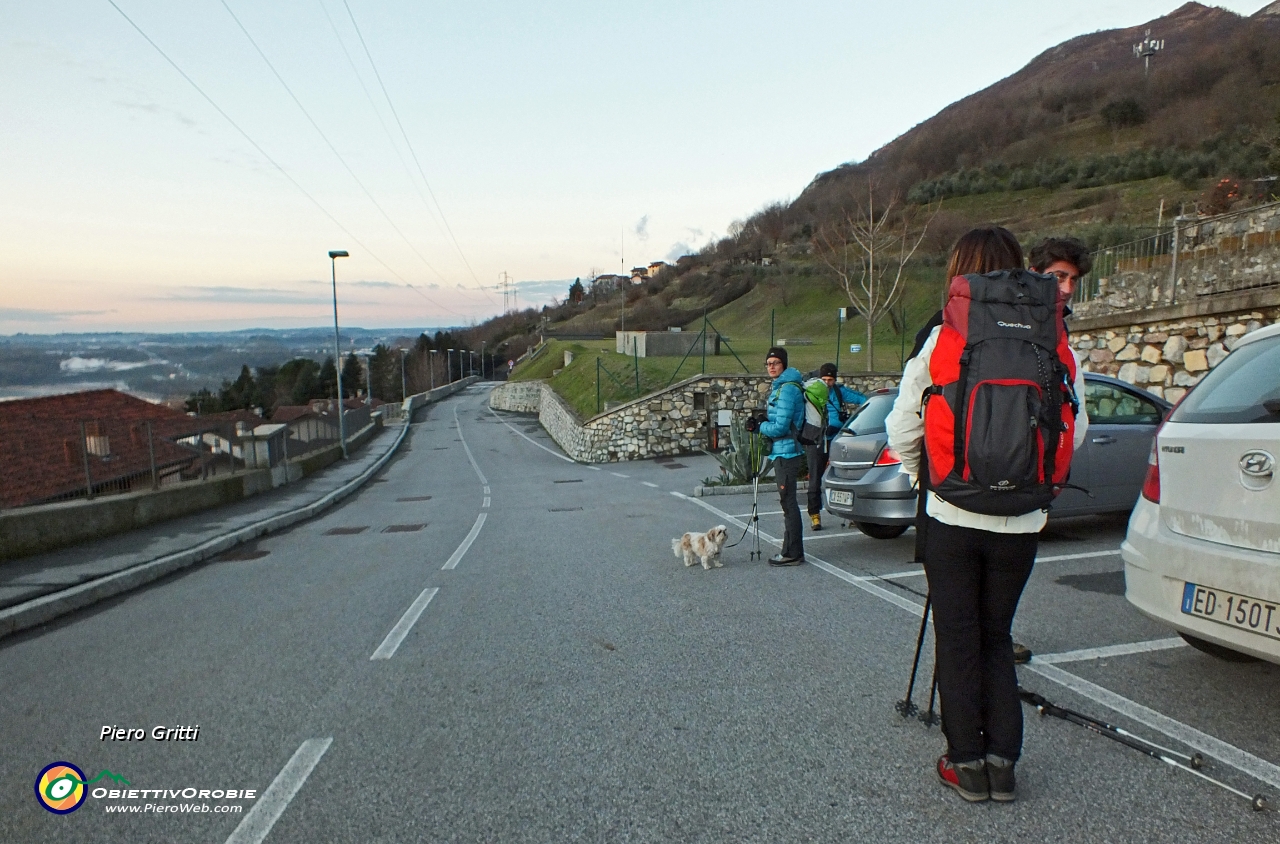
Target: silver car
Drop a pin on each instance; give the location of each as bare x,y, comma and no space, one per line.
864,482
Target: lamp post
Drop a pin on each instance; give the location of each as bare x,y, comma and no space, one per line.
449,363
433,369
334,255
482,342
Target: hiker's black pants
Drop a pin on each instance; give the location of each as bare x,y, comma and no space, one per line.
976,578
817,456
786,470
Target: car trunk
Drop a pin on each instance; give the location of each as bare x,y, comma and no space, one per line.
1211,487
853,457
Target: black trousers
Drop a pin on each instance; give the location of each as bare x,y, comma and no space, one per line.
976,578
786,470
817,456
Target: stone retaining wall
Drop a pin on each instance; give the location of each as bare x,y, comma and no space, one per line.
669,422
1169,356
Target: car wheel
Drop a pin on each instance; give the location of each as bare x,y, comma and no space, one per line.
881,531
1224,654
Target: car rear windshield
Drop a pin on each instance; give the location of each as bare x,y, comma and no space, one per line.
1245,387
869,419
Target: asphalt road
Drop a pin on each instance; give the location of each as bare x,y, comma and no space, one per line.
568,679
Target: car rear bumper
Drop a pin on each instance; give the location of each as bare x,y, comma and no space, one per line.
1158,564
882,496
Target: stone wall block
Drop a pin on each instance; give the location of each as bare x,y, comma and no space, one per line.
1151,354
1155,337
1236,330
1213,332
1142,375
1195,361
1114,343
1215,354
1101,356
1158,374
1129,352
1198,343
1129,373
1174,348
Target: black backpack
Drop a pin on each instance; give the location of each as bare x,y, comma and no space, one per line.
999,419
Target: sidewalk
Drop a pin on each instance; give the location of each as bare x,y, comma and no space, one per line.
36,589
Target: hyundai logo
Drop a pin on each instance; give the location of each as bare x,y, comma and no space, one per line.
1257,464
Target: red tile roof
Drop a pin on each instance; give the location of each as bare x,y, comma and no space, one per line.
42,447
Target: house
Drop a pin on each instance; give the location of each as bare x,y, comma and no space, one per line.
59,447
656,267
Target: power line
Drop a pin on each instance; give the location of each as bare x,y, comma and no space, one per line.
272,161
409,144
325,137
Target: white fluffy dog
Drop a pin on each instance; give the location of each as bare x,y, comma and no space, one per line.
701,546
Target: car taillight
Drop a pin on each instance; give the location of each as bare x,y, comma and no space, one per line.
888,457
1151,486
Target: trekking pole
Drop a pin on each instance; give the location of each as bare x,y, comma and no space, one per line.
930,718
1257,802
905,707
1195,760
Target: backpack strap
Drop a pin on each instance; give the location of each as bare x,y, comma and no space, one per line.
962,409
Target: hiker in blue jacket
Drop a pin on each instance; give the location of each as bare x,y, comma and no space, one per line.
785,418
838,397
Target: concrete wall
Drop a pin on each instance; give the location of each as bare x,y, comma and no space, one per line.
32,530
654,344
668,422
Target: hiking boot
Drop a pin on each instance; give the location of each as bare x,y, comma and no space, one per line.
779,560
1000,778
815,519
969,779
1021,654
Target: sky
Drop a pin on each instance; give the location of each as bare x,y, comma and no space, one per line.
182,165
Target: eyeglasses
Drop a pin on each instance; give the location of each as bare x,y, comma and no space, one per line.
773,362
1063,275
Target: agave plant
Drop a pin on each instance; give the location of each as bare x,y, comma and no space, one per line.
742,461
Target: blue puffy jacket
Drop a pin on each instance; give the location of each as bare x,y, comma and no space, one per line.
786,414
835,396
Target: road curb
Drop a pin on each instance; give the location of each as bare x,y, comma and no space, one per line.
48,607
742,489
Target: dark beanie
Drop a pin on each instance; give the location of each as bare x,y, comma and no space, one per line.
779,353
827,370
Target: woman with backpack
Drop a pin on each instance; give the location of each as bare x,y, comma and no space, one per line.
997,378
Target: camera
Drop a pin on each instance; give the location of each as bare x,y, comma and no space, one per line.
755,417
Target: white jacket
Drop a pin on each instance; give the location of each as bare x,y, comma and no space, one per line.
906,436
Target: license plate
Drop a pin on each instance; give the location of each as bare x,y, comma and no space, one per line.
841,497
1240,611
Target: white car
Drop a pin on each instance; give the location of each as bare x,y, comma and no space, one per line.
1202,553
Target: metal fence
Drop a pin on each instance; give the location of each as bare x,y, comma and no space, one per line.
1194,257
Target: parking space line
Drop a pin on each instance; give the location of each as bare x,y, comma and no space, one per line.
619,475
832,535
1110,650
761,513
264,814
651,486
388,647
486,501
529,438
897,575
1241,760
1233,756
1084,556
466,543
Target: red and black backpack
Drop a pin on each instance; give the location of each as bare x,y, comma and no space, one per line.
999,420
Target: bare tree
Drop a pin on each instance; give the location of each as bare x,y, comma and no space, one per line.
868,247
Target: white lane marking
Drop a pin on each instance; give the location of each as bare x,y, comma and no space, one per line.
1055,559
1109,651
1239,759
530,439
592,468
264,814
651,486
466,543
761,513
388,647
619,475
486,501
486,490
897,575
466,448
852,534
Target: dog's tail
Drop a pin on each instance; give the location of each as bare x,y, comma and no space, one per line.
677,546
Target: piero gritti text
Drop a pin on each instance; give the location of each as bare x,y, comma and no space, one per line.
158,733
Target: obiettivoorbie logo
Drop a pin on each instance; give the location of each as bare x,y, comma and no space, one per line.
61,787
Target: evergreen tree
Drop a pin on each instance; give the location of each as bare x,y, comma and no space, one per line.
352,376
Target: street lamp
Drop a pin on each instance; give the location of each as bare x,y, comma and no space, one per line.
433,369
334,255
449,359
482,342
